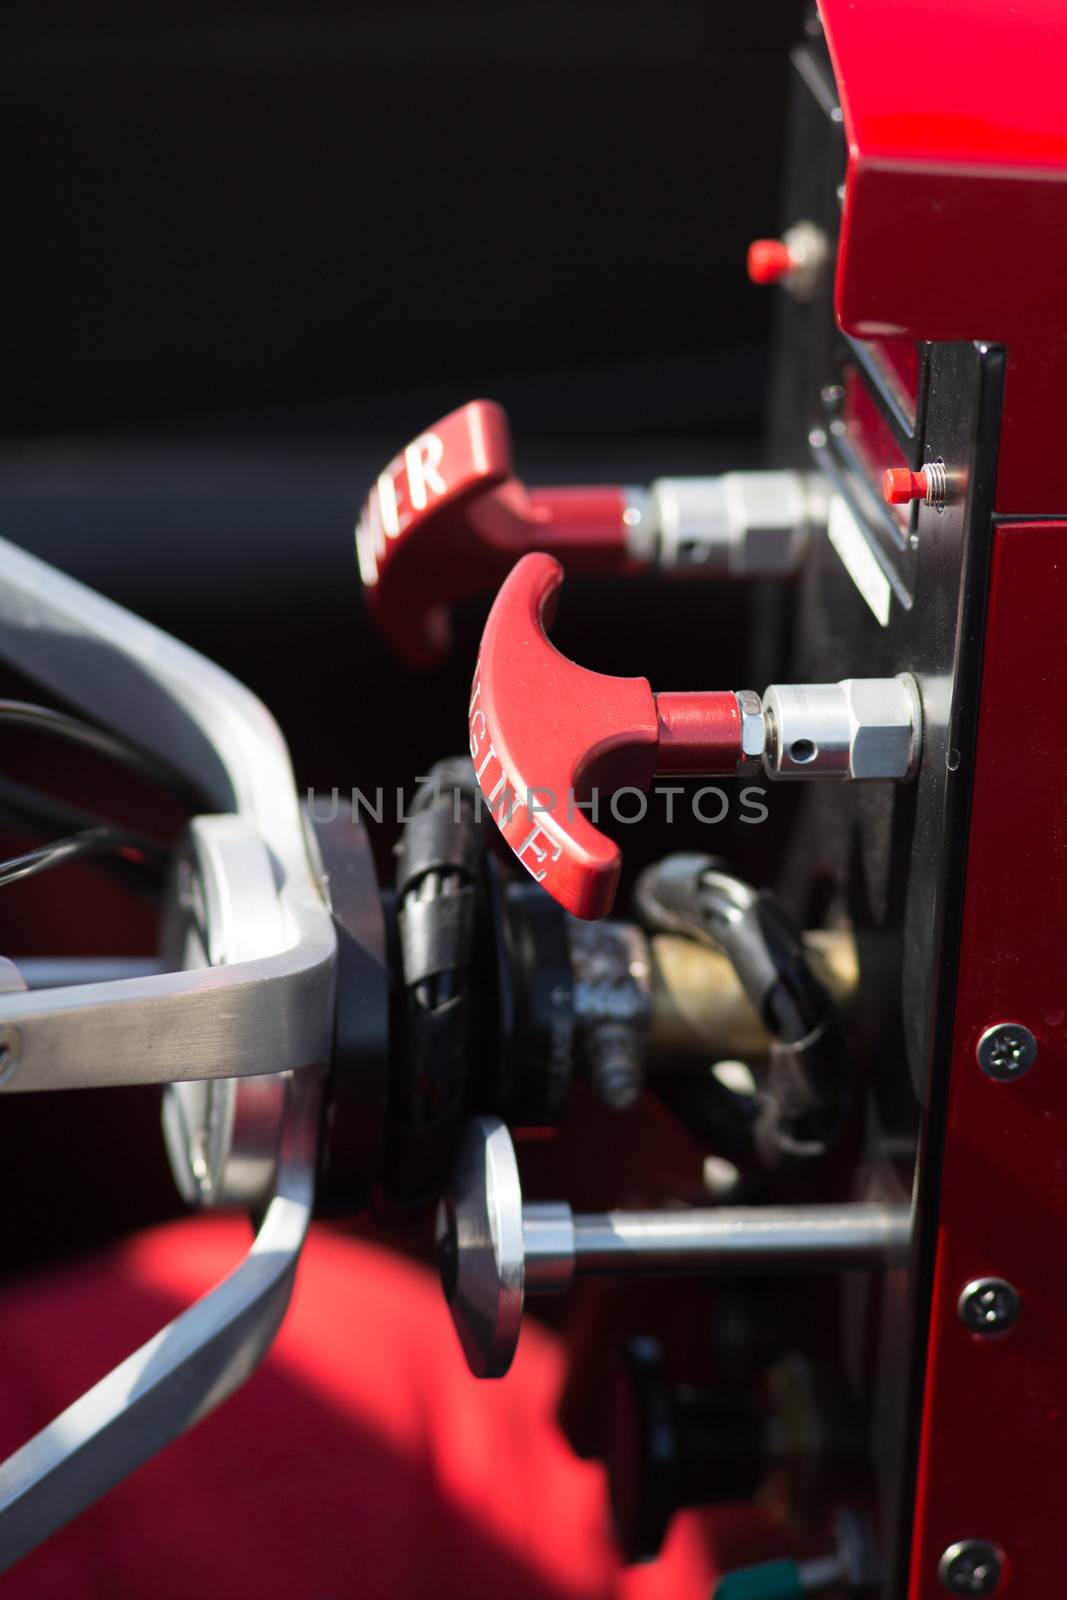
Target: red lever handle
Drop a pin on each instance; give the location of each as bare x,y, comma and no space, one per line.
447,519
544,731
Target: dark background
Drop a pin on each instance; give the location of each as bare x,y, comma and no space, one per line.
250,250
284,218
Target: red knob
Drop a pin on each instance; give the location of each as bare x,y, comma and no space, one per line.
769,260
900,485
544,732
446,519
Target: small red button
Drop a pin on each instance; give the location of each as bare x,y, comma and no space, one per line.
769,260
899,485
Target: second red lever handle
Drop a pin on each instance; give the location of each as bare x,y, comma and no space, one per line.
544,731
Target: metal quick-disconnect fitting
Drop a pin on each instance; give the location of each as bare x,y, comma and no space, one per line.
861,728
737,525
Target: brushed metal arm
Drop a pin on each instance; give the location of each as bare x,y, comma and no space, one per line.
181,1374
272,1014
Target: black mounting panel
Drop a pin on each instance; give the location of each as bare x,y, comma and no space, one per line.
881,597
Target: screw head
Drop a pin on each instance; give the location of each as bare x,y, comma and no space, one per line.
1006,1051
971,1566
989,1306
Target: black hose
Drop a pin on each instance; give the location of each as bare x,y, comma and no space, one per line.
439,865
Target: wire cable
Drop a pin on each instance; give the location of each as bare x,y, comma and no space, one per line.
45,813
43,719
37,812
91,842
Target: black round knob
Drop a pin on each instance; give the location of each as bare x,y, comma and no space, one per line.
670,1446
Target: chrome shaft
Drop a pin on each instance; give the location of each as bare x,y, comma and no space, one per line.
739,1239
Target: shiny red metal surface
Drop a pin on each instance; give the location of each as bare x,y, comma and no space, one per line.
544,731
698,733
955,210
447,519
994,1443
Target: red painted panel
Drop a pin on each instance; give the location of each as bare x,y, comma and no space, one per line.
955,212
994,1445
963,83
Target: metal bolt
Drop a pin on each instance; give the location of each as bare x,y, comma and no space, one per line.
753,727
612,1005
1006,1051
989,1306
613,1052
936,484
971,1566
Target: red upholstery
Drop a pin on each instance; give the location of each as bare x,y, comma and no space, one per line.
361,1460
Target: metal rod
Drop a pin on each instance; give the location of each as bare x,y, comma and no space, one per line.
773,1239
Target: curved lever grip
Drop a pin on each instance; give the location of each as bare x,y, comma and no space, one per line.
447,519
544,731
266,1017
183,1372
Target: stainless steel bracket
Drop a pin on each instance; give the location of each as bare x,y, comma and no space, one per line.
271,1014
268,1014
